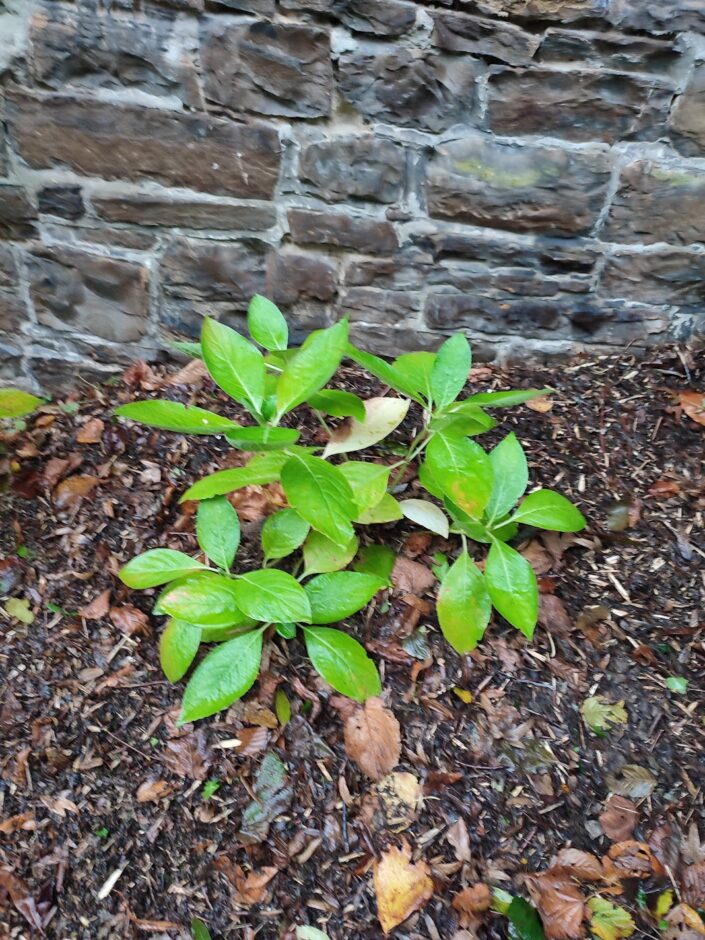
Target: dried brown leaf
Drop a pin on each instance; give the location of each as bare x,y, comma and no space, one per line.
458,837
373,739
401,796
542,403
693,404
247,889
187,756
98,607
635,859
632,781
70,492
553,615
151,791
619,819
471,901
129,619
193,373
401,886
683,924
578,864
91,432
411,577
693,883
24,821
18,893
560,904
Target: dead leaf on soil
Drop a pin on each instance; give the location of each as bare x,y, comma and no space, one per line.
411,577
542,403
193,373
693,848
23,821
401,886
634,860
632,781
18,892
129,619
693,404
458,837
684,924
693,883
619,818
70,492
401,796
599,714
273,795
17,770
151,791
54,471
665,489
560,904
187,756
553,615
537,556
252,741
141,375
581,865
373,739
471,901
98,607
254,503
91,432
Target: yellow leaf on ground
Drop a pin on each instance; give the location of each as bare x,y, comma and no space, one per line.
609,922
401,886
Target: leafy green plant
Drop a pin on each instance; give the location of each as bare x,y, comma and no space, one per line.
314,574
14,403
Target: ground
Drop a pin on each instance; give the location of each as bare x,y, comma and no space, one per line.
106,829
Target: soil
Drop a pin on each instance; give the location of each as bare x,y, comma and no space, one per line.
113,836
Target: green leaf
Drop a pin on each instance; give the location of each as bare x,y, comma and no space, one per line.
282,533
310,933
187,348
464,606
222,677
157,566
282,707
287,630
416,369
206,600
14,403
264,438
321,495
512,585
463,470
511,476
273,595
461,421
340,594
525,920
507,399
377,560
178,646
427,481
199,930
337,403
462,521
234,363
677,684
383,371
312,366
599,714
609,922
266,324
382,416
450,370
425,514
342,662
263,469
547,509
368,481
322,555
218,530
386,510
173,416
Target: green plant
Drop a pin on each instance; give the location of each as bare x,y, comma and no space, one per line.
315,537
14,403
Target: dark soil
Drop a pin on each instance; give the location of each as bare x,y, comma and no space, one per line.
86,717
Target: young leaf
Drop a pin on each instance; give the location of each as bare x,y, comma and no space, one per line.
222,677
282,533
322,555
157,566
178,646
312,366
14,403
173,416
368,481
218,530
609,922
340,594
416,368
463,470
464,606
265,438
511,476
450,370
512,585
270,594
265,468
337,403
477,531
547,509
382,416
199,930
266,324
234,363
205,600
463,421
383,371
425,514
386,510
507,399
287,630
342,662
321,495
377,560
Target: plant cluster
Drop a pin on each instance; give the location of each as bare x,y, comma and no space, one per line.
314,574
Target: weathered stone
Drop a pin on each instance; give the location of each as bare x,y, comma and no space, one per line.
150,209
361,167
659,16
268,68
405,271
389,341
675,277
457,32
360,233
10,357
63,201
265,7
523,188
75,291
658,202
88,234
402,86
13,312
293,277
581,106
17,214
377,17
379,307
119,142
688,118
619,52
87,48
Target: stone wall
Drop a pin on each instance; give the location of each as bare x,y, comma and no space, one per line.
530,171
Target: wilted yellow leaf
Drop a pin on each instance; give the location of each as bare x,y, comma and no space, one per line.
401,886
600,714
609,922
18,609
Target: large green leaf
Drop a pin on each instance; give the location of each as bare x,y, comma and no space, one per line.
377,560
264,438
173,416
339,404
235,364
383,371
321,495
282,533
509,398
450,370
14,403
272,595
187,348
387,509
511,582
547,509
312,366
464,606
178,646
525,920
321,555
206,600
266,324
218,530
157,566
511,476
382,416
462,420
416,368
463,470
262,469
342,662
340,594
368,482
224,676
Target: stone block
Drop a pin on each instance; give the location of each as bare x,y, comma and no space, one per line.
339,230
688,118
658,16
66,202
10,357
13,313
620,52
146,208
360,167
293,277
17,214
381,307
457,32
673,277
388,18
407,270
266,7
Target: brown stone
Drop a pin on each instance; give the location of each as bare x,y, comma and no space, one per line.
150,209
17,214
360,233
688,118
580,106
92,234
659,16
75,291
457,32
293,277
121,142
267,68
523,188
675,277
12,309
405,271
361,167
377,17
658,202
619,52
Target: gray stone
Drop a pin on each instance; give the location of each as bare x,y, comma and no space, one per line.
457,32
93,234
336,229
409,87
404,271
150,209
688,118
17,214
380,307
293,277
674,277
266,7
13,313
522,188
659,16
76,291
120,142
360,167
63,201
615,51
280,69
10,357
377,17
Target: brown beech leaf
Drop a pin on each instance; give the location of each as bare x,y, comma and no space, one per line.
553,615
619,819
54,471
683,924
22,821
98,607
187,756
411,577
665,489
373,739
542,404
471,901
457,836
693,404
151,791
578,864
247,889
129,619
401,886
19,894
635,859
193,373
693,883
254,503
91,432
252,741
70,492
537,556
560,904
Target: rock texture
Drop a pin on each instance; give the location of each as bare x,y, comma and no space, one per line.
529,171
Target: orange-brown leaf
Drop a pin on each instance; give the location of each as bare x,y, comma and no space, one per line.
473,900
693,404
401,886
578,864
684,924
560,904
635,859
69,493
694,885
98,607
619,818
373,739
91,432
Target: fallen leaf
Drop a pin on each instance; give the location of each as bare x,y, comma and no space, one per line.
411,577
254,503
193,373
684,924
578,864
693,848
634,859
252,741
254,713
473,900
17,771
151,791
633,781
273,795
401,886
619,818
20,897
609,922
60,804
693,884
538,557
599,714
98,607
373,739
401,796
24,821
91,432
18,609
140,374
560,904
693,404
129,619
542,404
70,492
187,756
10,574
247,889
458,837
553,615
54,471
664,489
